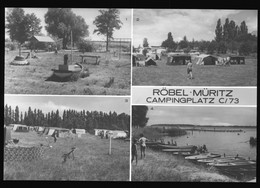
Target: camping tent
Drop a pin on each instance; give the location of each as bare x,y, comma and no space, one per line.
118,134
80,131
51,131
20,128
180,59
237,60
149,62
205,59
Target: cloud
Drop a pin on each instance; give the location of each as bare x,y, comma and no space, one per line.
194,23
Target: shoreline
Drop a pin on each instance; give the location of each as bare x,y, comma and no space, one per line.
159,166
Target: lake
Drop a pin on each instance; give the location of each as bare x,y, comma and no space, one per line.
230,143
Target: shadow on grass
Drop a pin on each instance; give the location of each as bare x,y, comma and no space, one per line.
72,78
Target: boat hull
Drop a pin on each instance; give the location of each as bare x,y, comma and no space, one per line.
203,156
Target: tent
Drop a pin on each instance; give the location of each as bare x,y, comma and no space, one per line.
98,131
51,131
149,62
41,129
205,59
237,60
118,134
179,59
20,128
80,131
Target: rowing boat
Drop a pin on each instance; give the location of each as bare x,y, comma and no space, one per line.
168,146
221,160
178,150
245,163
203,156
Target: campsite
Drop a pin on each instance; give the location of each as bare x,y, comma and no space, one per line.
204,75
226,46
91,159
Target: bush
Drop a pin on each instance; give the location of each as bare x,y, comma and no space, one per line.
245,48
85,46
11,46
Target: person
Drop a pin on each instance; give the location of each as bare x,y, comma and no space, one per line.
142,141
204,148
134,151
189,70
54,136
56,50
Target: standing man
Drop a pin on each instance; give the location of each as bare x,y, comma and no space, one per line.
142,142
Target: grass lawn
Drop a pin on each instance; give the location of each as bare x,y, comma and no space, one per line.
91,163
159,166
165,75
32,79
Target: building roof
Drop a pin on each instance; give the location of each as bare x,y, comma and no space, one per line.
42,38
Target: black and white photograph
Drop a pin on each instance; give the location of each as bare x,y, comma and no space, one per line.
194,47
66,138
194,144
67,51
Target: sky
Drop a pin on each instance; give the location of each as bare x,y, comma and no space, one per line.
89,15
202,115
200,24
48,103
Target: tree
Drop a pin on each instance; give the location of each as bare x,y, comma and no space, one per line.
21,27
16,115
145,42
139,118
218,31
184,43
107,22
245,48
169,43
226,30
212,47
61,21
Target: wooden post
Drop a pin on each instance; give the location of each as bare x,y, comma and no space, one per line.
109,152
71,46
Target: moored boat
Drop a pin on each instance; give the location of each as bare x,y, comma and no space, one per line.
203,156
168,146
221,160
178,150
184,154
236,164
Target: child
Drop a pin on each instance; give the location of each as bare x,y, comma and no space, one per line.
142,141
134,151
189,70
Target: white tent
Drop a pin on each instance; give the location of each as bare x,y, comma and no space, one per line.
80,131
51,131
118,134
41,129
20,128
